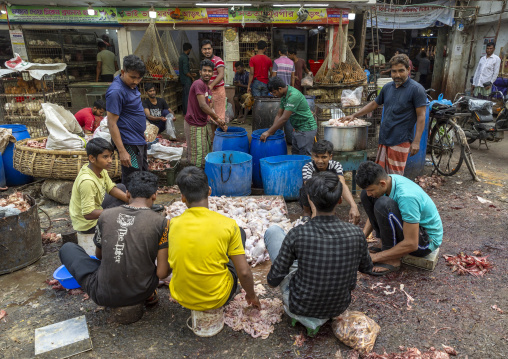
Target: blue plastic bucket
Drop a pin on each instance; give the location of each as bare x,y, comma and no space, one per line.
416,164
2,173
66,279
12,176
282,175
235,139
229,173
275,145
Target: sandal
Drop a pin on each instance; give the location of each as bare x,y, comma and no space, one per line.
152,300
390,268
373,249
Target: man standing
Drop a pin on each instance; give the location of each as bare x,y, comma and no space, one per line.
284,67
185,75
126,117
106,64
486,72
260,67
316,264
404,103
156,108
216,84
295,108
375,62
90,118
241,81
300,69
198,132
404,217
423,68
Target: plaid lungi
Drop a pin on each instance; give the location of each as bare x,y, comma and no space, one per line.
198,143
393,158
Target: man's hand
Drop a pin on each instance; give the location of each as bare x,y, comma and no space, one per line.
162,118
254,301
125,159
265,135
210,87
413,150
354,215
347,118
248,89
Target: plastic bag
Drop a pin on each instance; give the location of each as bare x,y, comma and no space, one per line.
151,132
165,153
356,330
351,98
103,130
308,80
478,105
63,129
170,126
230,114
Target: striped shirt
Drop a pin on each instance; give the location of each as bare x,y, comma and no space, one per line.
218,62
310,169
284,67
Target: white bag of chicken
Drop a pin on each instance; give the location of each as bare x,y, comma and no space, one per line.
64,130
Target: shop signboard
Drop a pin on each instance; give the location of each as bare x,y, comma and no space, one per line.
61,15
414,17
173,15
3,17
316,16
334,16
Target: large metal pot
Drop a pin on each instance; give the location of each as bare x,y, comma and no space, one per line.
346,139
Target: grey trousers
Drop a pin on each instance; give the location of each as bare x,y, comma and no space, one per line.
302,142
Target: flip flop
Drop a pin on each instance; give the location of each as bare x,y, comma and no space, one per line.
234,122
373,249
390,268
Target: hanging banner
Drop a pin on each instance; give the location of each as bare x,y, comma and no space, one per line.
413,17
334,16
218,16
164,15
282,16
57,14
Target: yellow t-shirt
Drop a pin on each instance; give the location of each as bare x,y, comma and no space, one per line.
87,195
200,242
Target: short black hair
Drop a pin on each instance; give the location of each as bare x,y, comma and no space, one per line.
98,145
261,45
292,50
276,83
423,54
99,105
134,63
148,86
324,191
206,42
193,184
207,63
321,147
142,184
187,46
102,45
491,43
400,50
239,63
369,173
283,49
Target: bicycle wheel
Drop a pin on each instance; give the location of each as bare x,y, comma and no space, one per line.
446,148
467,126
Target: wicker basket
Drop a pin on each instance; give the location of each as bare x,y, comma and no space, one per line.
55,164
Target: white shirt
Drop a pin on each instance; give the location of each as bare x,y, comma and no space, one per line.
487,70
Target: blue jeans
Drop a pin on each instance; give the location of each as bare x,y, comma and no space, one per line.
274,236
259,88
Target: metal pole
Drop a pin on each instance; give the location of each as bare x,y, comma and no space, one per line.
471,47
499,21
378,49
372,42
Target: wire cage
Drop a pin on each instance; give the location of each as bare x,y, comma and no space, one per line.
22,98
249,37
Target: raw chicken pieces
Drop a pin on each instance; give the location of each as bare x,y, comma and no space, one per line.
356,122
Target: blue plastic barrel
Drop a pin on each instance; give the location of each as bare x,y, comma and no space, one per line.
12,176
282,175
235,139
229,173
2,173
416,164
275,145
288,127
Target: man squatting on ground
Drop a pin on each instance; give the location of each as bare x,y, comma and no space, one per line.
404,217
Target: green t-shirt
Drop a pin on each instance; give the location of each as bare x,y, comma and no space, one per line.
302,118
87,195
108,62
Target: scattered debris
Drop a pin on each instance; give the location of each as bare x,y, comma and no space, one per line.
299,339
409,353
3,314
169,143
409,298
463,263
356,330
15,200
496,308
37,144
449,350
48,238
169,189
85,297
483,200
76,291
156,164
54,284
428,182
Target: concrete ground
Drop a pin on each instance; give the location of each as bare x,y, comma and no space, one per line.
447,309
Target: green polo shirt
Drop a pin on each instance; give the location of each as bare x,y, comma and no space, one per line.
302,118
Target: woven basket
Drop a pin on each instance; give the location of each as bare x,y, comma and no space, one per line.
55,164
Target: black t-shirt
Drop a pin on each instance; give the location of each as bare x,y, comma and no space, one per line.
130,239
156,110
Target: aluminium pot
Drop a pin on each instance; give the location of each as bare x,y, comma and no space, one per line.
348,138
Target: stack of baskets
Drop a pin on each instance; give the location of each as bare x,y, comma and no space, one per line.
65,165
